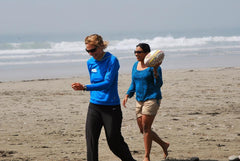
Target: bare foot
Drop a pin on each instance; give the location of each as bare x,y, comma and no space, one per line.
146,159
165,150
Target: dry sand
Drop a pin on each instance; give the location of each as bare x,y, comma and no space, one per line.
199,116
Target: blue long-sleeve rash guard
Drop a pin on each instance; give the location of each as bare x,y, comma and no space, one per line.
104,80
145,85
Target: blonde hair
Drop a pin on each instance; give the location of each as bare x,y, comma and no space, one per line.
96,40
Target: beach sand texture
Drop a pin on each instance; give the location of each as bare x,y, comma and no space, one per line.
199,116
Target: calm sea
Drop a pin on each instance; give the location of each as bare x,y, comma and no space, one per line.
27,57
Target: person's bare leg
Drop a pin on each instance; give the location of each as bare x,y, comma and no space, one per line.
147,121
139,122
155,138
163,144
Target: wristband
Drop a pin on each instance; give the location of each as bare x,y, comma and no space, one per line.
84,88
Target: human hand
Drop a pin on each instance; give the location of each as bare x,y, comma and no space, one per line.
125,101
155,69
157,65
77,86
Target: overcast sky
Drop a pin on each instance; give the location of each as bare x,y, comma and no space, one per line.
74,16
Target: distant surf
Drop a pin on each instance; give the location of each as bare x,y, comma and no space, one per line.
63,55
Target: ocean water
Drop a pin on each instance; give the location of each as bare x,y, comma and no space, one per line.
46,57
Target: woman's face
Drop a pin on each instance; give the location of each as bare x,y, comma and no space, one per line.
139,53
95,52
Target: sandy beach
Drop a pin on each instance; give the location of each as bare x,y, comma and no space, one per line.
44,120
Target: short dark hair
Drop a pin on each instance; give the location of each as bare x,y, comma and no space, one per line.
145,47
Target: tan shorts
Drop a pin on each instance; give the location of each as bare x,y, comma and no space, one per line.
149,107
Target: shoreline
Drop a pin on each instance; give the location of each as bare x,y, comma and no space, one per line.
121,73
199,116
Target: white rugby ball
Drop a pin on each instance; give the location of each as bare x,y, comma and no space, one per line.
153,58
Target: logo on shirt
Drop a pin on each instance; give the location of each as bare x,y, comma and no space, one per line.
94,70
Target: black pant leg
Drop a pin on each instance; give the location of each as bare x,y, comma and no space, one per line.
93,130
112,120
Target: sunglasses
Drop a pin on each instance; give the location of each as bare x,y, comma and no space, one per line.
138,52
91,50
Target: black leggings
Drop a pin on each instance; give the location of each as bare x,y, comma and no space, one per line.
110,117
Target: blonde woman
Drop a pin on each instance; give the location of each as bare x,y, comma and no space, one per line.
104,108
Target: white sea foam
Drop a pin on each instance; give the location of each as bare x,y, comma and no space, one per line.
19,61
125,44
69,52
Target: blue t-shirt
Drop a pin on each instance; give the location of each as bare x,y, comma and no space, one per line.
104,80
145,84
